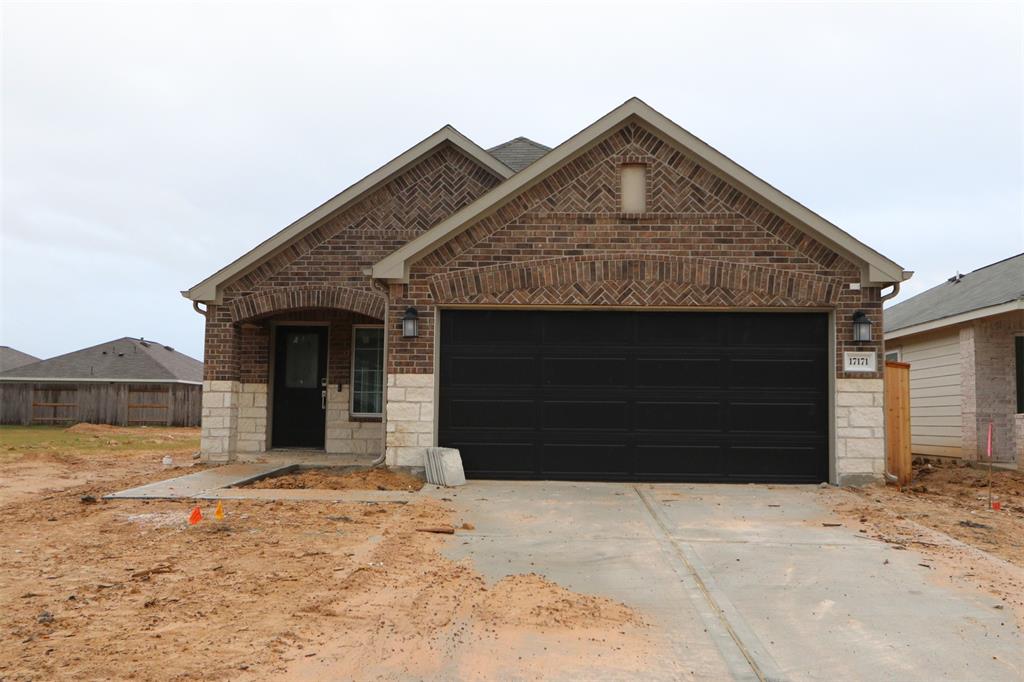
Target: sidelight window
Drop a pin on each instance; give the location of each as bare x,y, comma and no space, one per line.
367,371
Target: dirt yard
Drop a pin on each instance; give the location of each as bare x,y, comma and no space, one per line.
127,590
945,515
339,479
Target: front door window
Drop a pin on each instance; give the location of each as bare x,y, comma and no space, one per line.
367,371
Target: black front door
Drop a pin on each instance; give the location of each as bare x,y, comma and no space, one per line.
649,396
300,385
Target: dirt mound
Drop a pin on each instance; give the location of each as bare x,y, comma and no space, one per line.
531,600
341,479
99,429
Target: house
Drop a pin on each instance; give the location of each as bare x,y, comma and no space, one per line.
629,305
126,382
964,340
11,358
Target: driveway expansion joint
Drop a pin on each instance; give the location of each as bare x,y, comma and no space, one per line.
744,653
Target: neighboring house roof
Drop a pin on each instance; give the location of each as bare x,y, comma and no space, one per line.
126,359
877,270
990,290
207,290
518,153
11,358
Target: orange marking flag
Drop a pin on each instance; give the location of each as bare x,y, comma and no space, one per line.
196,516
219,512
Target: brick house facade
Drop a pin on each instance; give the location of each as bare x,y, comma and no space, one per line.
444,228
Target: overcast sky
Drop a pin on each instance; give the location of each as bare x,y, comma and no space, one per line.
147,145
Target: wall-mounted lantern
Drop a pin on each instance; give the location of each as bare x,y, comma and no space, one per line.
861,326
410,323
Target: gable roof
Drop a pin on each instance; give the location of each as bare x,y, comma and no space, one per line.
125,359
518,153
11,358
990,290
877,270
207,290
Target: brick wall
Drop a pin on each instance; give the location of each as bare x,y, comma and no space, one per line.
700,242
989,386
325,269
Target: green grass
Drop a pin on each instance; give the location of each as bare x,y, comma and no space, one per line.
20,440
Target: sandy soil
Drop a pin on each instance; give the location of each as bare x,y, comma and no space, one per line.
38,460
339,479
127,590
945,516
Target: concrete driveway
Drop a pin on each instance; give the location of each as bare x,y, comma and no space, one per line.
741,582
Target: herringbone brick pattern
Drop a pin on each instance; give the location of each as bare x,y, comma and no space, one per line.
324,270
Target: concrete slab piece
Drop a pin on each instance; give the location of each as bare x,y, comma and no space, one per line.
741,581
195,484
307,495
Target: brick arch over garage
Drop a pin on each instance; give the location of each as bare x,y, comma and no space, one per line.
635,279
283,299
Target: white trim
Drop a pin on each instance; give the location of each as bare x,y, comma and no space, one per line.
99,380
352,373
209,289
897,351
955,319
877,270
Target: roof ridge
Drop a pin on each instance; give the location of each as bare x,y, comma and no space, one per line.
991,264
520,138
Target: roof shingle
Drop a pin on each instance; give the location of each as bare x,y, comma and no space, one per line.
1000,282
518,153
124,359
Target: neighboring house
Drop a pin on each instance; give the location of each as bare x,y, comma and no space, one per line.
630,305
125,382
11,358
964,340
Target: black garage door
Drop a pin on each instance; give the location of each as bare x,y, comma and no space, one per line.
636,395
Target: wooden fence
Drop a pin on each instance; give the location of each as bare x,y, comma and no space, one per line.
898,461
100,403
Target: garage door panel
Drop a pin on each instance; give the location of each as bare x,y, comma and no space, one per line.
565,329
775,373
768,417
597,459
678,416
483,327
636,395
666,372
693,461
782,462
504,459
580,414
575,371
691,329
780,330
497,414
495,370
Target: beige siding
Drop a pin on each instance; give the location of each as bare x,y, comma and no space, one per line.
936,401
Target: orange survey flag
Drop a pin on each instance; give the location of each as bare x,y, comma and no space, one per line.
219,512
196,516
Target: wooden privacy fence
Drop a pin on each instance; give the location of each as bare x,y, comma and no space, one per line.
101,403
898,461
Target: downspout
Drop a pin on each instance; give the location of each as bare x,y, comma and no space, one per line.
384,398
195,307
895,290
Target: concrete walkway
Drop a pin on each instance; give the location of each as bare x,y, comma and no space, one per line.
742,582
194,485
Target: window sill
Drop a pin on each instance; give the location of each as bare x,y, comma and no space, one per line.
365,418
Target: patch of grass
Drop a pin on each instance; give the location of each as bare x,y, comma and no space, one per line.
20,440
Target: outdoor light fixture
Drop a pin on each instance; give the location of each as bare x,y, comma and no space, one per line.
411,323
861,326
